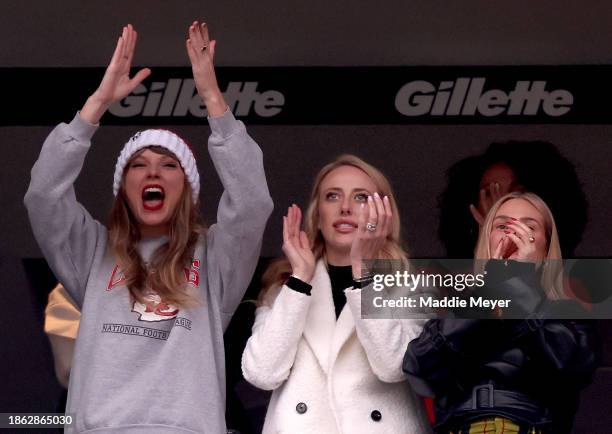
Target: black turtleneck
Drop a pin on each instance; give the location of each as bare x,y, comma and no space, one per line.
341,277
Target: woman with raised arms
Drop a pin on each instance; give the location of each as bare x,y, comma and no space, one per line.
156,289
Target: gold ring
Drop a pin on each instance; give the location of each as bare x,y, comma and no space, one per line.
531,239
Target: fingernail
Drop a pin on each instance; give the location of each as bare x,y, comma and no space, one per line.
376,195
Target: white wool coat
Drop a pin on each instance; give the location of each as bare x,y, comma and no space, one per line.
328,376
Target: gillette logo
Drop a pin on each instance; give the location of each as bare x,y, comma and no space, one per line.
178,97
467,97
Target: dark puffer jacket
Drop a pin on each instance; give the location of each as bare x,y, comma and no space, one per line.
529,370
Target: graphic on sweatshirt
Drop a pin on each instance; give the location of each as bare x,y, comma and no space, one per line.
192,275
116,279
154,309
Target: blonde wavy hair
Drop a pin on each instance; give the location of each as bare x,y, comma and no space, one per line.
552,268
279,270
168,261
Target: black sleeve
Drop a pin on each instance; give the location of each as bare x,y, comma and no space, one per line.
299,285
443,357
449,353
564,349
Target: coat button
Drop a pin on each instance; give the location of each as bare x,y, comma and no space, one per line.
301,408
376,416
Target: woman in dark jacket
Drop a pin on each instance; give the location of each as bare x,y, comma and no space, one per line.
503,375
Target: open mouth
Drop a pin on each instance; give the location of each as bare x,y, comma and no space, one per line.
345,226
153,197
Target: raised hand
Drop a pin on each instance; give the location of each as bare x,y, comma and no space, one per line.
201,51
485,202
374,226
116,83
518,243
296,245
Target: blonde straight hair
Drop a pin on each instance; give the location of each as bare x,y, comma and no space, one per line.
552,269
279,270
170,260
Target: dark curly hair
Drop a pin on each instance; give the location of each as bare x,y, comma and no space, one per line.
539,167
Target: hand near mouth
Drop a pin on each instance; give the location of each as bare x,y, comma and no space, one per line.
518,242
505,249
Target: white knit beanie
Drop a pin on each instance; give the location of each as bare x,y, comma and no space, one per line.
165,139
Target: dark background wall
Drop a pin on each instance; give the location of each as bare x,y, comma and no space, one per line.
274,33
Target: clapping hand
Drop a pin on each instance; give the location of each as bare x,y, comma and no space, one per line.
374,227
201,51
296,245
116,83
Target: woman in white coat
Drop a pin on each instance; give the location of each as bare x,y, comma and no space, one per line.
332,371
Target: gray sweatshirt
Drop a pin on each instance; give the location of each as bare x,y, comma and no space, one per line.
149,368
